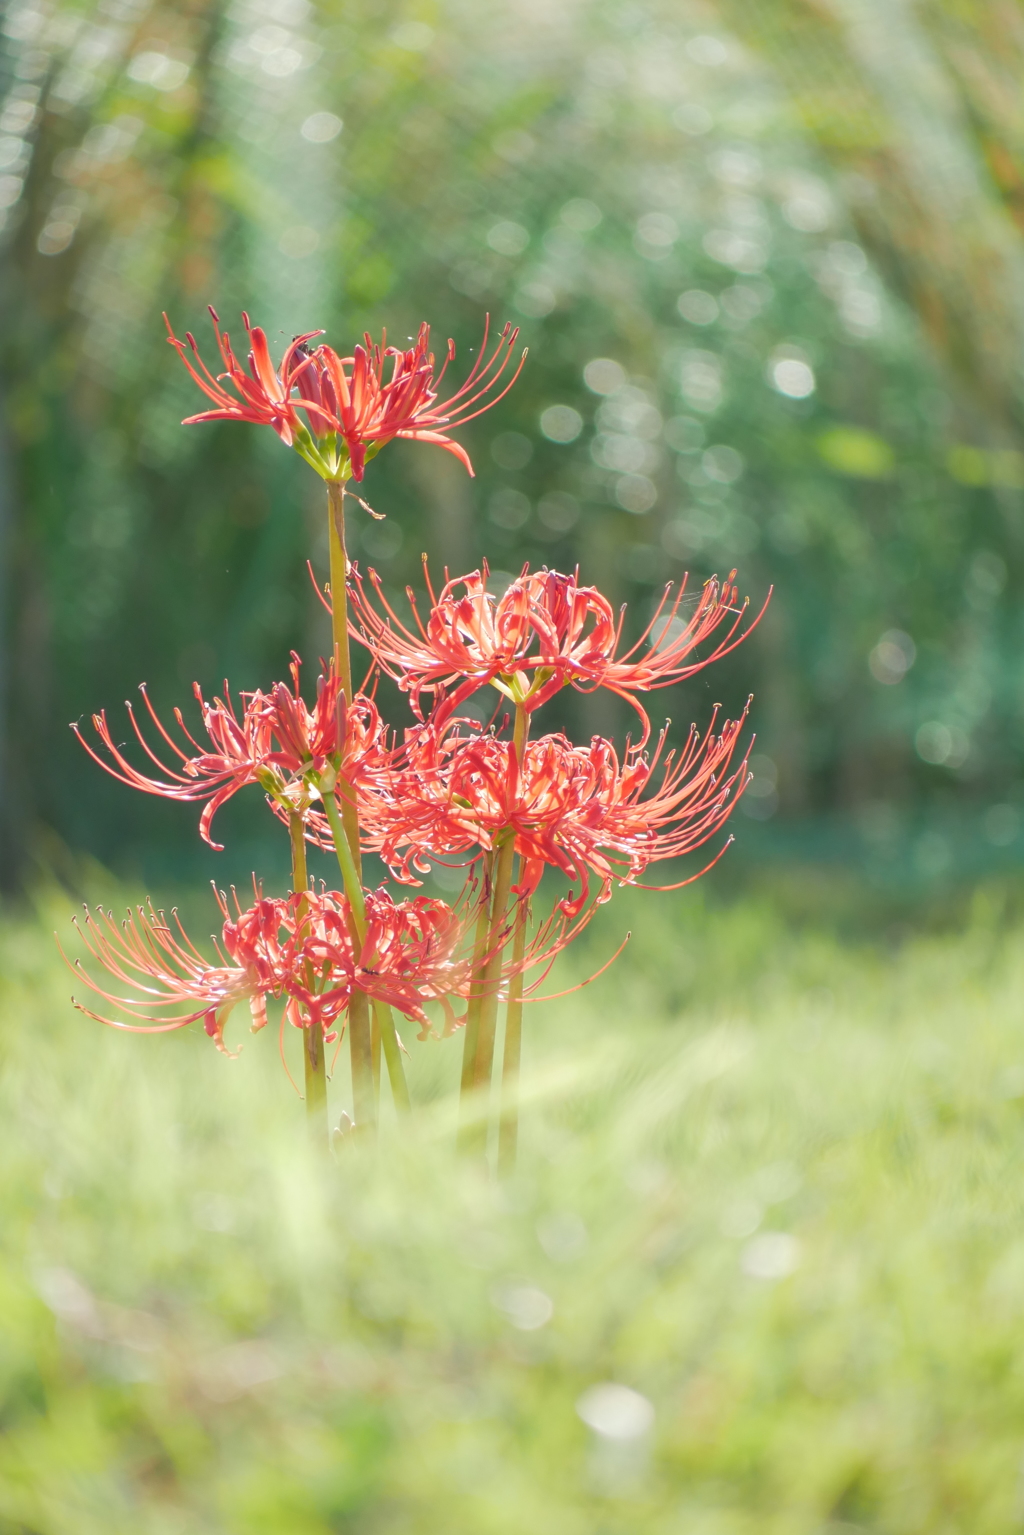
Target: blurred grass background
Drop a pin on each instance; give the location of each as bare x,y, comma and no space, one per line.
768,260
770,1184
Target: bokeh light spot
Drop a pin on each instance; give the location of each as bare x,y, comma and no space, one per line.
722,463
693,119
1000,825
412,36
636,493
560,423
616,1412
603,375
892,657
526,1307
698,307
772,1255
792,377
707,50
581,215
321,127
508,508
508,238
558,511
511,450
536,299
942,745
158,70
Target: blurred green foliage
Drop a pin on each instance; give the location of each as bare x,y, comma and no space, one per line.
768,262
784,1211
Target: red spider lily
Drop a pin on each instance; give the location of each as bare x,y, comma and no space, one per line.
352,408
166,974
543,633
276,743
263,394
575,808
300,950
367,410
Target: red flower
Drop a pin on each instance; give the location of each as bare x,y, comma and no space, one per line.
574,808
299,950
352,408
544,632
367,410
264,395
276,743
172,985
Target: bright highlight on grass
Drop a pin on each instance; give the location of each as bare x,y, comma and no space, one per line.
759,1265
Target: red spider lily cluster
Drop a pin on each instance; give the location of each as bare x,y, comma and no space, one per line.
351,408
578,809
544,632
493,801
277,743
301,950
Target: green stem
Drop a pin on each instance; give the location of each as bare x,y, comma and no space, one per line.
365,1040
497,936
492,970
315,1066
508,1125
360,1039
345,826
296,830
375,1057
360,1044
346,863
339,584
342,647
365,1053
472,1025
384,1019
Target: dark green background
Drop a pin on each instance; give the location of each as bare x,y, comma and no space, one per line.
852,174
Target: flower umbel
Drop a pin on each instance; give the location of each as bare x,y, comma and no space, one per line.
298,949
574,808
276,741
263,395
367,409
543,633
354,405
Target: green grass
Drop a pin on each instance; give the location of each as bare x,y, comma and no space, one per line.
771,1180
